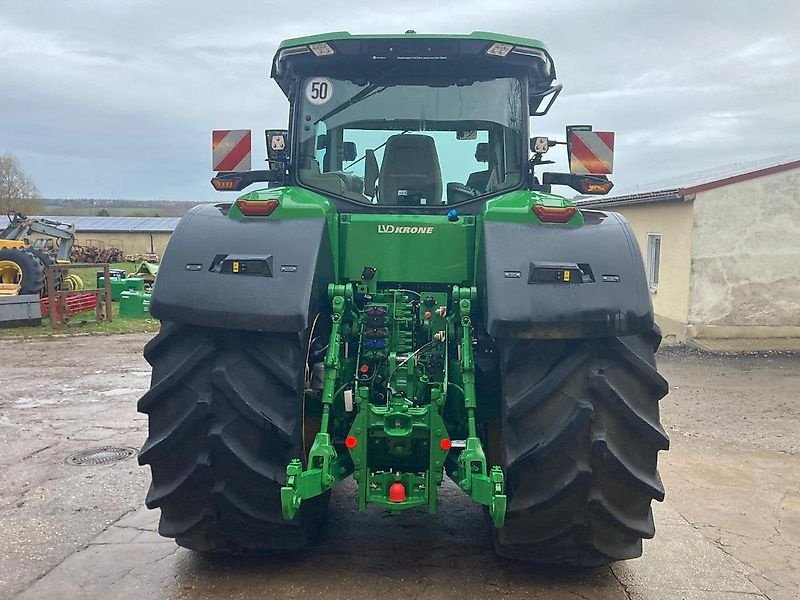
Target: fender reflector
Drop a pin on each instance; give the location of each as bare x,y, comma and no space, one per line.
590,186
257,208
226,185
554,214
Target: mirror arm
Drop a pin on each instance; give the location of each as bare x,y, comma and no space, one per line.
553,91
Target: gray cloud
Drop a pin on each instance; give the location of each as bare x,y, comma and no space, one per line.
117,99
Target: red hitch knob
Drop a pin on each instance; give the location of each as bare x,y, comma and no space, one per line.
397,493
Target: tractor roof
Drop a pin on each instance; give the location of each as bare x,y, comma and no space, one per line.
480,53
486,36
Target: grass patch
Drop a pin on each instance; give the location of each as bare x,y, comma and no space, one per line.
83,323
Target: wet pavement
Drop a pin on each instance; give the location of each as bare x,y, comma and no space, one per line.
729,529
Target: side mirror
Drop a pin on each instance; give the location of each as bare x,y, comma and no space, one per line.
277,148
349,152
540,102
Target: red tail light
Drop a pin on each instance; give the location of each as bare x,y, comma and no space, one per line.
554,214
257,208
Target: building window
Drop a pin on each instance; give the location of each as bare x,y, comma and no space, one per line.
653,259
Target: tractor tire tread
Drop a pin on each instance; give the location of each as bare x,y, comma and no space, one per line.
580,439
225,419
47,261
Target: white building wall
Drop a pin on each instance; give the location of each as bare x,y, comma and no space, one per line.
745,276
673,222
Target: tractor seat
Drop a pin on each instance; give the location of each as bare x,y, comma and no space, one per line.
311,175
410,172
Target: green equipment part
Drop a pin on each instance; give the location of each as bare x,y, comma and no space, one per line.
406,302
147,271
118,286
134,304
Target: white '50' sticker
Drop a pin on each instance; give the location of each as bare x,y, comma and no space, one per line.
319,90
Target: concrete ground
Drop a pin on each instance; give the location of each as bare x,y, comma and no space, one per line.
746,345
729,529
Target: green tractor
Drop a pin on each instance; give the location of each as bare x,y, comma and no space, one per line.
404,300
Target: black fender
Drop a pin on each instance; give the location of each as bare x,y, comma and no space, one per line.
523,289
254,274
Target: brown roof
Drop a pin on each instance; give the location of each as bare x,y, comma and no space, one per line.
682,194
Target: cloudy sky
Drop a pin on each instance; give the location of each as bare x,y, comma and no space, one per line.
117,98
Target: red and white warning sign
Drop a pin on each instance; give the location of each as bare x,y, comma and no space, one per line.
591,152
231,149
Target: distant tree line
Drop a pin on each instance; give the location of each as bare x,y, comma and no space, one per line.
18,193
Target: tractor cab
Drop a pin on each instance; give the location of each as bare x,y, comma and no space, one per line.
411,121
421,122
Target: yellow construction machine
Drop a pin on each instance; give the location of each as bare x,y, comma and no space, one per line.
28,246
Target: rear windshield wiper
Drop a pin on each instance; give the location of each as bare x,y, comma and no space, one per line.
370,90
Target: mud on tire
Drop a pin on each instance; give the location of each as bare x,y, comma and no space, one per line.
225,418
580,441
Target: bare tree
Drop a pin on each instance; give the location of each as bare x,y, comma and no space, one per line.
18,193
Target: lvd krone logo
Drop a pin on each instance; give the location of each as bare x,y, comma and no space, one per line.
404,229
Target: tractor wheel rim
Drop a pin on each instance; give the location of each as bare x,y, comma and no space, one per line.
10,272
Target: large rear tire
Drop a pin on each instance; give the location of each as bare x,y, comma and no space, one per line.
225,414
21,266
580,441
47,261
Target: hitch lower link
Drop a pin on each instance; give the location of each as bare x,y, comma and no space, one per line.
325,467
486,487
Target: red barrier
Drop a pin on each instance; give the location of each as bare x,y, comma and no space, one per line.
76,303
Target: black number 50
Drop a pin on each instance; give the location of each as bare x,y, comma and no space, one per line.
319,90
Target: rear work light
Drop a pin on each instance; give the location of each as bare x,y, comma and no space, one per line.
257,208
321,49
554,214
498,49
